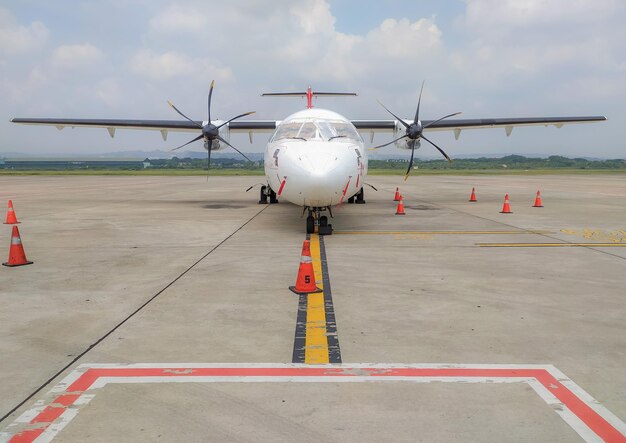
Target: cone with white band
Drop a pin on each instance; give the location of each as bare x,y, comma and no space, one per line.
17,257
506,209
400,208
305,281
11,218
397,197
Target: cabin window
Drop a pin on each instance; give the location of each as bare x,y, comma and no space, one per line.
287,130
346,130
316,129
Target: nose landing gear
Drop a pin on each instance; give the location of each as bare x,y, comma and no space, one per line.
315,218
358,198
266,192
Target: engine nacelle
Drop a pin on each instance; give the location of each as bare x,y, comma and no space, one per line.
224,133
404,143
399,131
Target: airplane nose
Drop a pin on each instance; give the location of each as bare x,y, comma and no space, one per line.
319,164
315,177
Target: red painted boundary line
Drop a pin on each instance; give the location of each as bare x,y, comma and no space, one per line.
578,407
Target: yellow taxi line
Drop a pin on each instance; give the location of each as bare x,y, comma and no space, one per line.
547,245
438,232
316,344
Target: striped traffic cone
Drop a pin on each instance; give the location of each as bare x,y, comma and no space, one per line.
506,209
400,208
305,281
11,218
17,257
538,202
397,197
473,196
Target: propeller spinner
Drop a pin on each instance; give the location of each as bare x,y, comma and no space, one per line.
414,132
210,132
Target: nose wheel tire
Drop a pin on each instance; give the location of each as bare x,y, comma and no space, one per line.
310,225
273,198
263,195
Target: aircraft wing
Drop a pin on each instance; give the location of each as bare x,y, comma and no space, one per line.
164,126
250,126
457,125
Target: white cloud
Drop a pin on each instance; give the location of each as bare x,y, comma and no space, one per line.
110,92
16,38
76,56
539,42
178,18
168,65
494,15
313,16
497,58
403,38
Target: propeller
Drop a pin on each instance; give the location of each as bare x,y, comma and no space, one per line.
414,132
210,132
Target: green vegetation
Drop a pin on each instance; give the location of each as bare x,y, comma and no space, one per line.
512,164
135,172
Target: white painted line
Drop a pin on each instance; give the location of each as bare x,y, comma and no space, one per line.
575,406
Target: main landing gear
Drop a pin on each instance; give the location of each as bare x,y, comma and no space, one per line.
266,192
315,218
358,198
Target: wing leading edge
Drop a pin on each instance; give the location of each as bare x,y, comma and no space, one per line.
164,126
250,126
457,125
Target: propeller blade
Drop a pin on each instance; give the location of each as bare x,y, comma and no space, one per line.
397,118
235,118
210,94
439,149
417,113
225,142
189,142
208,158
183,115
442,118
408,171
386,144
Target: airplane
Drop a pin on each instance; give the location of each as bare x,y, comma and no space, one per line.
315,158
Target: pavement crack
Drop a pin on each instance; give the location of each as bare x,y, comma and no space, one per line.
135,312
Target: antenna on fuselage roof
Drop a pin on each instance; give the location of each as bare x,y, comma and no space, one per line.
309,94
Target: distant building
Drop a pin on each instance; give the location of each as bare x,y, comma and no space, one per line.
146,163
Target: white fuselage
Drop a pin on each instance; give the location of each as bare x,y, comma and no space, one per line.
315,158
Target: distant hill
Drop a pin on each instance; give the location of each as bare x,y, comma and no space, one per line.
254,156
131,155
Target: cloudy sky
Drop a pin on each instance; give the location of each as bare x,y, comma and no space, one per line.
487,58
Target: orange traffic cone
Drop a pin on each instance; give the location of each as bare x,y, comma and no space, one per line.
473,196
305,282
17,257
506,209
397,197
400,209
11,218
538,202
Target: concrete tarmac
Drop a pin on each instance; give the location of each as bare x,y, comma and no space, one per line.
175,270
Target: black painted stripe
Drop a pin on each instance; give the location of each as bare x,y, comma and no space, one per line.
334,352
299,341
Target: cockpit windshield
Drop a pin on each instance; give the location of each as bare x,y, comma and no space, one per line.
323,130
